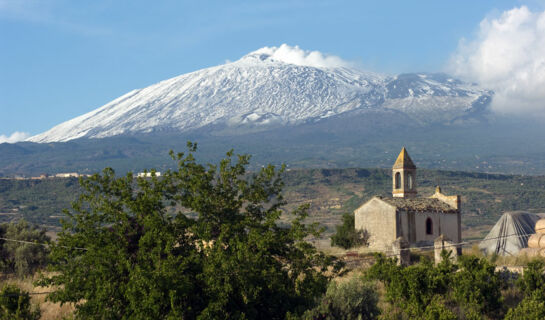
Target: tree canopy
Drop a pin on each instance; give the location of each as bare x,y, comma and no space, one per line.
201,241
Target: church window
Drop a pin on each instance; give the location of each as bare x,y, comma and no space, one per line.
398,180
410,181
429,226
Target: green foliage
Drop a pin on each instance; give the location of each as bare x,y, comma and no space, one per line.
477,285
22,258
440,292
412,288
142,261
437,310
533,279
15,305
347,236
530,308
350,300
532,285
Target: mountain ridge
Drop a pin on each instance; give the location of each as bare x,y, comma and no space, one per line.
259,92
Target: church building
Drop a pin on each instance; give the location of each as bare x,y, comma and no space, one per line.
418,220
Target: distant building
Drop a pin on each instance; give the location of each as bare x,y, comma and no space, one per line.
67,175
147,174
417,220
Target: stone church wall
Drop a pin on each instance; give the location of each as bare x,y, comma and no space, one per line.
379,219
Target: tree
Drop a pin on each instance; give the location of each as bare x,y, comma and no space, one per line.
19,257
469,290
15,304
129,248
351,299
346,235
530,308
477,286
532,285
533,279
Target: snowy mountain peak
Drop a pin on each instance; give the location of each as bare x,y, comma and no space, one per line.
271,87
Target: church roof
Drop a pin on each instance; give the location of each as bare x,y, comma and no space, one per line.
404,161
420,204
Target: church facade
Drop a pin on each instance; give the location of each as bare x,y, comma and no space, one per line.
418,220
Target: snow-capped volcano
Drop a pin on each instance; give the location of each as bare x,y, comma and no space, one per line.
272,87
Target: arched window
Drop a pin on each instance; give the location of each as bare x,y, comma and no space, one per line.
429,226
398,180
410,182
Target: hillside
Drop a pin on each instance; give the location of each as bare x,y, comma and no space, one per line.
330,192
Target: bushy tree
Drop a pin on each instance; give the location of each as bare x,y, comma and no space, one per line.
533,279
530,308
15,304
129,250
346,235
19,257
412,288
532,286
468,290
477,285
355,299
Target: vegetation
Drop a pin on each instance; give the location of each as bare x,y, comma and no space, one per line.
22,258
463,290
355,299
123,255
347,236
329,193
15,305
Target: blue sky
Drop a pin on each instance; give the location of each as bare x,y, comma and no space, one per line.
62,58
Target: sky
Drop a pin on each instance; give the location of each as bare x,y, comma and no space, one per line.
62,58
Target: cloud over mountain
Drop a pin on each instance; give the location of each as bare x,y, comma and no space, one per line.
508,56
298,56
14,137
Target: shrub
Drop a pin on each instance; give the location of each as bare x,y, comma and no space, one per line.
15,305
477,286
346,235
353,299
533,278
530,308
22,258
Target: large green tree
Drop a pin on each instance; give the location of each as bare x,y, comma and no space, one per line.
201,241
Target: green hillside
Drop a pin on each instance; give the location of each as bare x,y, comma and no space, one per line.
330,192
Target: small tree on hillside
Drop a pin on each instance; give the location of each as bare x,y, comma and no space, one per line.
346,235
19,257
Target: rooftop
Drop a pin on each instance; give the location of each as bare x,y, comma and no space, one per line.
404,161
420,204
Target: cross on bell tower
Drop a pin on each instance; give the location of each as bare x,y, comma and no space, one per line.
404,176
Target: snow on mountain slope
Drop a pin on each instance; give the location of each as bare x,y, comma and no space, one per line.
268,87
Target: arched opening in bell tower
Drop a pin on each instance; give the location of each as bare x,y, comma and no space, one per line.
398,180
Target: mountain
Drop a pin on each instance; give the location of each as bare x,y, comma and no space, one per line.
264,90
303,110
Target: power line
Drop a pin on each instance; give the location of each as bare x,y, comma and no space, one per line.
40,244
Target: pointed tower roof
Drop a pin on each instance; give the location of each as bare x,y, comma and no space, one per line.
404,161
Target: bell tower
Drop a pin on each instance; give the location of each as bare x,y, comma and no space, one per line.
404,176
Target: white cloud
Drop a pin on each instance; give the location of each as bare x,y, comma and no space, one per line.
298,56
15,137
508,56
